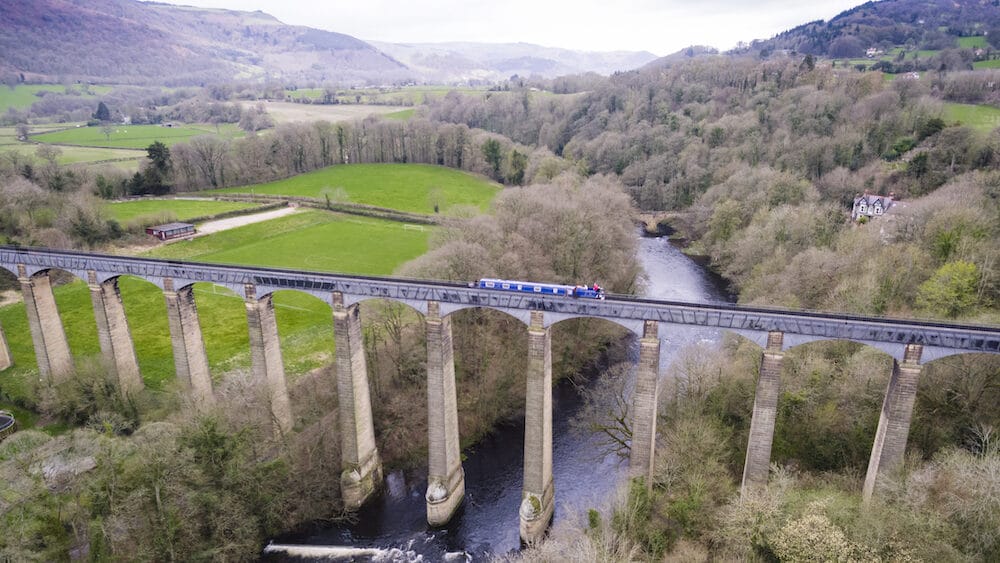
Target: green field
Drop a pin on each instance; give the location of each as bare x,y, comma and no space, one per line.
401,115
303,321
23,95
993,63
406,187
127,159
979,117
133,136
179,209
82,155
405,96
309,240
972,42
306,93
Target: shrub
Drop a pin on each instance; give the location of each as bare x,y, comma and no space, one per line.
952,290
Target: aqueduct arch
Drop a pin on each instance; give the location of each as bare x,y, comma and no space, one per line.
894,420
909,342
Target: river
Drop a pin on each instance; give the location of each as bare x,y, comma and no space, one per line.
393,527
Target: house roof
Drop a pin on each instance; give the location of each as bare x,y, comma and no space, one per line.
172,226
868,199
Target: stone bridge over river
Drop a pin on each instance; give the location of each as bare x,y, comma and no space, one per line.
910,343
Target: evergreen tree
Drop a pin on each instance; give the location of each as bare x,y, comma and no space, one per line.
492,152
102,113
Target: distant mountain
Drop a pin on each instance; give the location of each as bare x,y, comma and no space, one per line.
921,24
139,42
127,41
463,61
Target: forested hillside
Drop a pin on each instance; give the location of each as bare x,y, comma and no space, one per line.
920,24
127,42
148,43
764,159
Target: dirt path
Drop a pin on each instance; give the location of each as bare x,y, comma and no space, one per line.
233,222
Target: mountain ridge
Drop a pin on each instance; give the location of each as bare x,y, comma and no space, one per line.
127,41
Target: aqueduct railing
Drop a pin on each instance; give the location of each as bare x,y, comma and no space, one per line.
910,343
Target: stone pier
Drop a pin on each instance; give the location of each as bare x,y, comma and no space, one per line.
190,360
644,402
894,420
114,335
538,493
6,360
765,408
445,476
266,361
362,466
47,334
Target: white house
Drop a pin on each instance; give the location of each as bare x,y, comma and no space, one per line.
868,205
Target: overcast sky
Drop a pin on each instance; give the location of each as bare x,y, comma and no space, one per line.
659,26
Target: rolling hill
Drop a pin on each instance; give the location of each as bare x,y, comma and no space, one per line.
126,41
131,42
465,61
919,24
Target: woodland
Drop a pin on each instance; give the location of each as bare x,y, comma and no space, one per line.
753,163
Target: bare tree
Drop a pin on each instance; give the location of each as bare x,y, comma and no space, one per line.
607,411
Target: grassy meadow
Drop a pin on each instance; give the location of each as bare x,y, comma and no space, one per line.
289,112
405,187
311,240
401,115
180,209
980,117
303,324
405,96
972,42
127,158
134,136
22,96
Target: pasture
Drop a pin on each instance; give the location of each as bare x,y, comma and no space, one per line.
22,96
127,159
404,187
289,112
979,117
177,209
992,63
404,96
311,240
972,42
303,324
133,136
82,155
401,115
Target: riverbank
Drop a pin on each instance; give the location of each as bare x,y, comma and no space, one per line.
672,226
585,476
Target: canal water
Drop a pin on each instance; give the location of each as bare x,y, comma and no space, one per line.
393,527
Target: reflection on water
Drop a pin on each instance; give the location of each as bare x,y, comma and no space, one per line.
488,521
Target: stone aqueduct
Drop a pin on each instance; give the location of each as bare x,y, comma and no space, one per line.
910,343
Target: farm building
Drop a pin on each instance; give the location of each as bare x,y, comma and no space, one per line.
171,230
